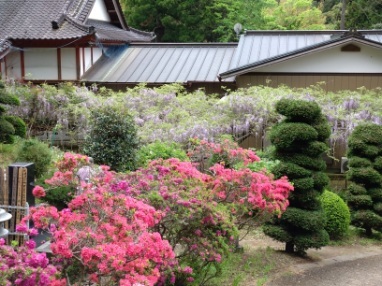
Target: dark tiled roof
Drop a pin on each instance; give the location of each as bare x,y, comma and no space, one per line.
4,47
106,31
34,19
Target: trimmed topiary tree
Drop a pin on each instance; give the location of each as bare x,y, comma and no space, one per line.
112,139
299,141
337,214
10,126
365,174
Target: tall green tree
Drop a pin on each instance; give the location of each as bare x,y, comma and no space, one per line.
213,20
360,14
294,15
363,14
299,142
180,20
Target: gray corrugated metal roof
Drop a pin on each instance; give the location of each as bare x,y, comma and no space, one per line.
163,63
256,46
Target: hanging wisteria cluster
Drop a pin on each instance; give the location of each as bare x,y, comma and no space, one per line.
171,114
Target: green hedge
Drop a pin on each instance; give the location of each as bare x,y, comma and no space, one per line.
337,214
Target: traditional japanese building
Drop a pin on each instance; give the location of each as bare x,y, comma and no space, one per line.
57,40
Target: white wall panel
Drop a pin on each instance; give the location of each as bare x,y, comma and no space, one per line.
13,66
41,63
97,53
68,64
99,12
88,58
368,60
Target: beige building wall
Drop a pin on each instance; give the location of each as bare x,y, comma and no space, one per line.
332,82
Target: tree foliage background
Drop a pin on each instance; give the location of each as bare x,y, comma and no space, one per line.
213,20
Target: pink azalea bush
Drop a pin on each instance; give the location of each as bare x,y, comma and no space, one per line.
203,211
104,237
200,230
109,231
249,193
24,266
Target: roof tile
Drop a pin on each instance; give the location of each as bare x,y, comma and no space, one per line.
27,20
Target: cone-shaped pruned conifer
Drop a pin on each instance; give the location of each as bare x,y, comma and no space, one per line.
299,141
9,125
365,169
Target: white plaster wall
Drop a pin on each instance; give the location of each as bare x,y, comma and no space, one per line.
97,53
13,67
68,64
368,60
88,58
81,61
41,63
99,12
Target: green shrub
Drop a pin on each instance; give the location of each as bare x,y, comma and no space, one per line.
357,147
158,150
277,232
303,184
287,134
315,148
378,208
371,134
360,201
367,176
305,241
378,164
367,219
264,164
323,129
112,139
9,125
359,162
304,219
33,150
306,200
314,164
58,197
375,194
357,189
292,171
298,110
337,214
